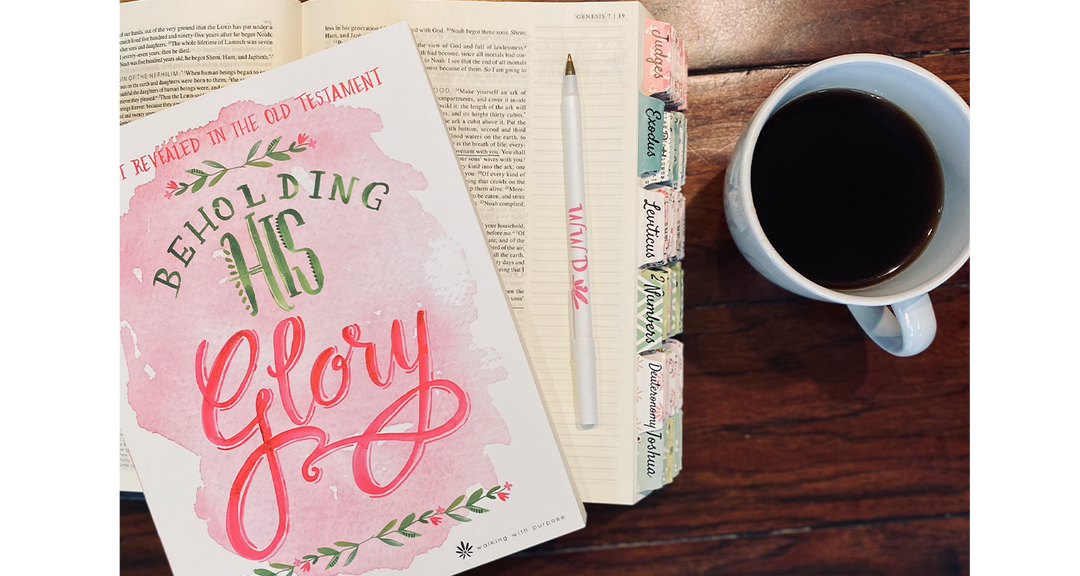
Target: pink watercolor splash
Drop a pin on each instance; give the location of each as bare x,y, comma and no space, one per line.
373,273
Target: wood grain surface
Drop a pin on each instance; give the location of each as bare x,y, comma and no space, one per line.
808,450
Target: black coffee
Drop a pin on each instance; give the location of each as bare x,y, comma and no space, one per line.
847,187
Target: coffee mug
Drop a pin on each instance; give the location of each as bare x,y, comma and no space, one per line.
910,325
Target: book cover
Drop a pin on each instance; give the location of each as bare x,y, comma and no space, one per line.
320,372
495,69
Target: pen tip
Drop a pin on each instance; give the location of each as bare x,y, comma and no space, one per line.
569,66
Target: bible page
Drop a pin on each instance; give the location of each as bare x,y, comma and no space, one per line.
172,50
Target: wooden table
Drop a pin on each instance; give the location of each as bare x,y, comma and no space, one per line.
808,450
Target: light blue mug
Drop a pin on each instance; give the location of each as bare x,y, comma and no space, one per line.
896,313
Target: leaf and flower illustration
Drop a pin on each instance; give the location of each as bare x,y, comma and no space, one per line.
405,528
209,179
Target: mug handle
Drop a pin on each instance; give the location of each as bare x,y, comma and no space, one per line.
906,330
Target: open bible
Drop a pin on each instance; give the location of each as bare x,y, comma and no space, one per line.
496,71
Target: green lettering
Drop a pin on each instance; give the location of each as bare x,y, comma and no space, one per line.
367,193
165,277
290,245
185,256
339,187
287,179
318,179
209,224
218,202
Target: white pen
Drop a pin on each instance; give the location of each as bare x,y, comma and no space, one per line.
583,347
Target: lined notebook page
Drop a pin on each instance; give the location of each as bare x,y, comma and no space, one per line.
498,78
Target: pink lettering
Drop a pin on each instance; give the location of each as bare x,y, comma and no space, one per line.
577,230
289,339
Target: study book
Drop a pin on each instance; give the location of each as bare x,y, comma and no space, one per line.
496,69
320,371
